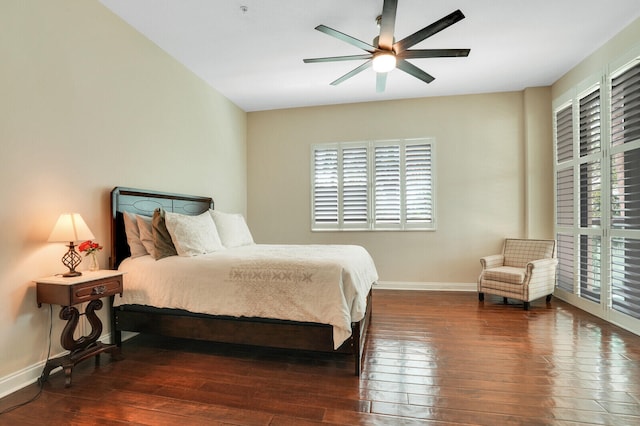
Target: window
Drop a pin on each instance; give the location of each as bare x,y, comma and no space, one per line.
375,185
597,209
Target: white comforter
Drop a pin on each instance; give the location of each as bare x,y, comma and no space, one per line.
325,284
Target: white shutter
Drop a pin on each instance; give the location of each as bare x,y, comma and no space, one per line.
625,107
590,267
565,252
355,183
387,184
625,192
625,189
325,186
590,123
625,275
590,194
418,184
564,197
564,134
590,254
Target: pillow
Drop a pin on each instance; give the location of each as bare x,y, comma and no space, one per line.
232,228
133,235
161,238
193,235
146,234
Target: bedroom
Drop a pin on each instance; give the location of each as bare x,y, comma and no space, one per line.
89,108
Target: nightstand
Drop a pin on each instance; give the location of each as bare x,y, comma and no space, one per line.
89,287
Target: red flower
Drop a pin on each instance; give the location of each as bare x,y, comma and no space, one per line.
89,247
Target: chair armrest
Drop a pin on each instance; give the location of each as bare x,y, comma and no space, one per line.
492,261
541,264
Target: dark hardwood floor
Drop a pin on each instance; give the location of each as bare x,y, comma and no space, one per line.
432,358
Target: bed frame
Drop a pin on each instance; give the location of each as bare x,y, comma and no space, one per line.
224,329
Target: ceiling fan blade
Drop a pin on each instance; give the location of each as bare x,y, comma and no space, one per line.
387,24
346,38
351,73
381,81
411,69
433,53
428,31
338,58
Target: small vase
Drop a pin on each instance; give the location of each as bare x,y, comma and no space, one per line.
93,262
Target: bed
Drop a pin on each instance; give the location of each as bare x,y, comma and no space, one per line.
153,303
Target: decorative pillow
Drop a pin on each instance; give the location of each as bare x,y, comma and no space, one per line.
193,235
133,235
161,238
146,234
232,228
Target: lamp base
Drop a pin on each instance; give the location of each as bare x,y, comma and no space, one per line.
71,259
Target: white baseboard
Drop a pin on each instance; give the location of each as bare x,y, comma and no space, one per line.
20,379
429,286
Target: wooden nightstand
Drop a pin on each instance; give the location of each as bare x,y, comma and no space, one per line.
89,287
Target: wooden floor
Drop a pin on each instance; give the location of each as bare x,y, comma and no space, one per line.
432,358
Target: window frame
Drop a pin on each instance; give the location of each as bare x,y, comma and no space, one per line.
371,224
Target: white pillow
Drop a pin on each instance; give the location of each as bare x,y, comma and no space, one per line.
193,235
146,234
133,235
232,228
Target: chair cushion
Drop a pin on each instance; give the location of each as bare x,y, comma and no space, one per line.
518,253
506,274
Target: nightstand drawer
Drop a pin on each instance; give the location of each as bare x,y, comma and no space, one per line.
85,288
95,289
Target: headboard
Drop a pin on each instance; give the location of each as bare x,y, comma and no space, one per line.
144,202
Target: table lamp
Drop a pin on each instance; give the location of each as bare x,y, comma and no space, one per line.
70,228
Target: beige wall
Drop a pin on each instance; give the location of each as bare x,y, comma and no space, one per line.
488,154
86,104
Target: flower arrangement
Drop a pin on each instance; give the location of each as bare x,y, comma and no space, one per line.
89,247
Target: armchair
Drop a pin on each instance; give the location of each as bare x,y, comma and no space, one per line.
526,270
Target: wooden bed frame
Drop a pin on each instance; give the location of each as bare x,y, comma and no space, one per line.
224,329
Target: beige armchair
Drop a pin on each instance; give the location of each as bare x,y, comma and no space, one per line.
526,270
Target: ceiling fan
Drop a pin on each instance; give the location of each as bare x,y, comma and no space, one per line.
385,54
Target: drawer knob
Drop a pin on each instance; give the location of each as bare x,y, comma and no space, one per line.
99,289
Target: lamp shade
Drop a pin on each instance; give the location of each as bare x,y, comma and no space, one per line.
70,227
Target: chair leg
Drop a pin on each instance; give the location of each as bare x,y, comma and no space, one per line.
481,297
549,297
526,306
504,300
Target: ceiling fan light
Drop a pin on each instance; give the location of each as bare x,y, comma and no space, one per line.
384,62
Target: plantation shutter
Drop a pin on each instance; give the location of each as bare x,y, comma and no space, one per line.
355,185
625,275
419,184
565,261
590,123
387,184
590,255
625,192
564,134
590,196
625,107
325,186
564,197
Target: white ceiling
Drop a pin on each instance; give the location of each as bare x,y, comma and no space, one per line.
254,58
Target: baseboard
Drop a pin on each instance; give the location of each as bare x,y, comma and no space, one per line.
20,379
428,286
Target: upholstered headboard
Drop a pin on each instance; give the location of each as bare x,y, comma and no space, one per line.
144,202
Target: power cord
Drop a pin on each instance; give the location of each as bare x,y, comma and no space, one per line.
41,378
